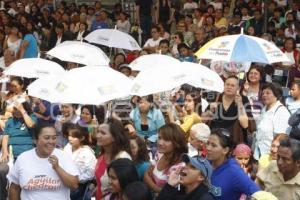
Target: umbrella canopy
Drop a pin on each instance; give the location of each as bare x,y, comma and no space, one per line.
86,85
151,60
34,68
160,79
79,52
241,48
113,38
202,77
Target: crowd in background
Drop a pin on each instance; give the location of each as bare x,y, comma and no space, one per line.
187,144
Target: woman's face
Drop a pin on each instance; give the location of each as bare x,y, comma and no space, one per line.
144,105
14,31
164,146
86,116
215,150
274,149
289,45
104,137
16,87
67,110
114,181
23,20
29,27
16,113
268,97
189,103
119,60
134,148
254,76
74,141
243,160
46,142
295,91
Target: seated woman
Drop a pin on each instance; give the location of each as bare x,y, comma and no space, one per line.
50,174
147,119
83,157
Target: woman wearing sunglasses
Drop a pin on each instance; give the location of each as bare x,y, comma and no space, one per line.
228,178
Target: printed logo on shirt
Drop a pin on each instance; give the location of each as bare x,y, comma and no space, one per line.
215,191
42,182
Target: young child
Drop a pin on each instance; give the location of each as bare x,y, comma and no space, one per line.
185,54
293,102
164,47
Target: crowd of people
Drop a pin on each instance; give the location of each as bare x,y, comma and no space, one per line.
191,144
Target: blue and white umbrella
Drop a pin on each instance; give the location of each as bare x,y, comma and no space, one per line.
241,48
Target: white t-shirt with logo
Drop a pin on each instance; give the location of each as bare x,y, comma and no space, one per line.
37,178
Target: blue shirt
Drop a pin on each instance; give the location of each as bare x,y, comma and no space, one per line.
52,110
155,120
98,25
230,181
32,48
20,137
141,168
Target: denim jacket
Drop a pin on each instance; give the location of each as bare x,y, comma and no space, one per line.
155,120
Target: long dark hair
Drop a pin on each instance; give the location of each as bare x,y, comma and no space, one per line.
125,171
173,132
121,140
225,139
137,191
142,154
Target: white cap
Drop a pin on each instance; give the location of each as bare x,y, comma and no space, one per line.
202,131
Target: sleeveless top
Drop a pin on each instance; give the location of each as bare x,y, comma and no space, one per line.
14,46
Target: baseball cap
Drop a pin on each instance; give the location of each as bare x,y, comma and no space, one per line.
200,164
202,131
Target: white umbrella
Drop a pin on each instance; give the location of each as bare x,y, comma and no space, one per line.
33,68
160,79
79,52
241,48
113,38
202,77
86,85
151,60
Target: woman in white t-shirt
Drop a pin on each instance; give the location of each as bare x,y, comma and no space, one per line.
83,157
273,120
44,172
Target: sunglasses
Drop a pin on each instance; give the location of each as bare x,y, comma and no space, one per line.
222,131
